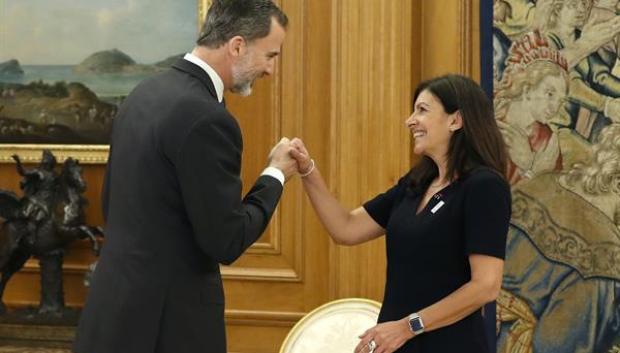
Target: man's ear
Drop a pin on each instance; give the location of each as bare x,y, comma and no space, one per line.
236,46
456,121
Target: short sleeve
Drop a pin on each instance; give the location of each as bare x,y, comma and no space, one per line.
380,208
487,214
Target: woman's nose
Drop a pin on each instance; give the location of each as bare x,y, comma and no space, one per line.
411,121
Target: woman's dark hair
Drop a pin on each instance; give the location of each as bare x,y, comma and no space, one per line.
478,143
250,19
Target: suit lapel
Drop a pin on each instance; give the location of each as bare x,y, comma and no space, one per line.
198,72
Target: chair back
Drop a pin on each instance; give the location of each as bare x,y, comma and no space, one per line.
333,327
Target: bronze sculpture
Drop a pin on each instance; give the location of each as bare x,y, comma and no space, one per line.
42,223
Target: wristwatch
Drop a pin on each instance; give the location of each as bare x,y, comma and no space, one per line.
415,324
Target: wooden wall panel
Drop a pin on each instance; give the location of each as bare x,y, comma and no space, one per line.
265,308
449,31
344,84
371,50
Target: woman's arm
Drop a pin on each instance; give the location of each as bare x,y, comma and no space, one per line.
345,227
484,286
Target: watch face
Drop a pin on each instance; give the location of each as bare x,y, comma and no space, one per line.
416,324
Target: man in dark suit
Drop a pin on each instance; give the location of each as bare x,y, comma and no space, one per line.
172,193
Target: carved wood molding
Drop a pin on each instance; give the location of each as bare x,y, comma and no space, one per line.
228,272
465,33
262,318
260,274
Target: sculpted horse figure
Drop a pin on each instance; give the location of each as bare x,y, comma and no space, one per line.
42,223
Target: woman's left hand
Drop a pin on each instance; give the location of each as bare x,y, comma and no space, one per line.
388,337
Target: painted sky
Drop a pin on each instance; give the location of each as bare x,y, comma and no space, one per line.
65,32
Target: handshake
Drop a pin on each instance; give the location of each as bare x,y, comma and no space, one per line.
291,157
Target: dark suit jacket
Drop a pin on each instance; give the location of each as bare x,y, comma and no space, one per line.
173,209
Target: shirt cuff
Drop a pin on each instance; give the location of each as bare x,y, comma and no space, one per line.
274,172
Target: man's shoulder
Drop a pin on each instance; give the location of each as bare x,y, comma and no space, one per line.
191,109
178,102
185,97
195,112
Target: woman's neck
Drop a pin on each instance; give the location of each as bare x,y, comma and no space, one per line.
442,169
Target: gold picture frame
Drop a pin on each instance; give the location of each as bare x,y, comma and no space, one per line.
203,6
29,153
85,153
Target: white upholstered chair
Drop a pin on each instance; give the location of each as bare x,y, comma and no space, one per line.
333,327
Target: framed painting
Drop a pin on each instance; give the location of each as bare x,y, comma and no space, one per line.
66,66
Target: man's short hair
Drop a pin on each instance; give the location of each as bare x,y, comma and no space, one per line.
250,19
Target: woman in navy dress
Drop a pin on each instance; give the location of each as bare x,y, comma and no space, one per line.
445,223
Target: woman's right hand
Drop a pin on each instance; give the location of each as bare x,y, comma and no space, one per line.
301,155
345,227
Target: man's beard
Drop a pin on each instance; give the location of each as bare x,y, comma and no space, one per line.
243,88
243,78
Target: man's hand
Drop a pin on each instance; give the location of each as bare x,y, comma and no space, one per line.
280,157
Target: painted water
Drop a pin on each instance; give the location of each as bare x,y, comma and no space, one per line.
105,86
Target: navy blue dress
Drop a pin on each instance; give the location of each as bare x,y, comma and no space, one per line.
427,253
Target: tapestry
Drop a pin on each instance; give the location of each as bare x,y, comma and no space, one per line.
556,91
